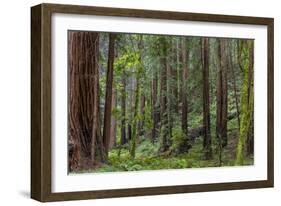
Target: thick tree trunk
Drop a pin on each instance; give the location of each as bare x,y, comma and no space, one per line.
207,141
222,94
247,102
108,94
83,111
184,87
250,135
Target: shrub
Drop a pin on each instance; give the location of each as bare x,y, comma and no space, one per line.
180,143
146,149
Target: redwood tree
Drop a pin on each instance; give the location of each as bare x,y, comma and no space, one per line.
163,97
85,141
247,99
155,107
139,70
113,129
222,95
207,141
108,94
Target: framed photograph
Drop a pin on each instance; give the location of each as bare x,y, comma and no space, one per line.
129,102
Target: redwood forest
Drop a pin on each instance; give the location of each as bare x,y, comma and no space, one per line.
150,102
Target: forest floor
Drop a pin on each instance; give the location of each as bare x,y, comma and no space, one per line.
148,158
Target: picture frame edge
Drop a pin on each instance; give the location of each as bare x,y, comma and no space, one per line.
41,103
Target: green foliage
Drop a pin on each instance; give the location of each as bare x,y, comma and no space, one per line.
178,138
139,61
148,124
147,158
196,120
116,113
146,149
126,61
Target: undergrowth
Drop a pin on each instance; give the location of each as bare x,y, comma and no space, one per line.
148,158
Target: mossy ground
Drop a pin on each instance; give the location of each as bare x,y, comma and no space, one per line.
148,158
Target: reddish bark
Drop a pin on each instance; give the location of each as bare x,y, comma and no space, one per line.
83,110
222,94
108,94
207,141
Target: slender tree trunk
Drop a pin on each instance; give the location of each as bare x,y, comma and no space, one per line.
131,101
222,94
174,75
178,82
179,72
155,112
136,105
225,93
219,108
142,113
134,129
170,101
184,87
163,95
234,86
123,110
207,141
98,151
129,131
112,141
108,94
